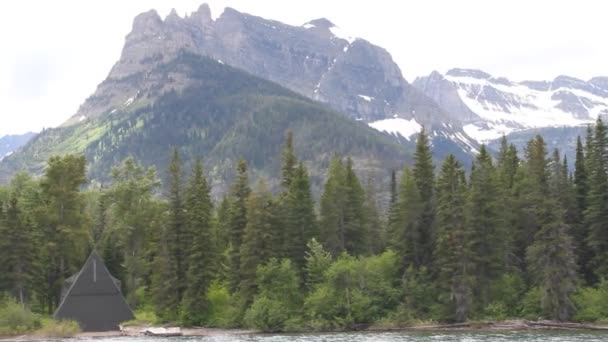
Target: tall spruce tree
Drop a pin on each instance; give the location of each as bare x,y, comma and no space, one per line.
258,239
332,232
405,239
425,181
201,255
596,214
65,227
454,253
356,241
580,232
176,234
488,232
237,222
134,224
551,258
300,220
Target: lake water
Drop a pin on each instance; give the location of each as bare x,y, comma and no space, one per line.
516,336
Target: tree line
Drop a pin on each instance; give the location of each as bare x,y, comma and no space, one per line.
516,235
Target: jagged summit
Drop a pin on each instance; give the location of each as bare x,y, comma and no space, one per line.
322,23
458,72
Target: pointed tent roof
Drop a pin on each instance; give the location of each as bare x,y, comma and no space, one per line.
94,300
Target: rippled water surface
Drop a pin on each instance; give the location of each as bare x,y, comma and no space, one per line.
388,337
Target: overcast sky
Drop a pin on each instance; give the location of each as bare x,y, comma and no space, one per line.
54,53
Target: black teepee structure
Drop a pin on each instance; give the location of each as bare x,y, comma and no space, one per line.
94,299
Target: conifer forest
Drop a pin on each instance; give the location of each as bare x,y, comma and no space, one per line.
517,234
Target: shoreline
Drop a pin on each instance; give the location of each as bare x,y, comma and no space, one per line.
507,325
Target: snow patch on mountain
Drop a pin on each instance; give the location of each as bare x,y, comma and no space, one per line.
397,126
366,98
505,107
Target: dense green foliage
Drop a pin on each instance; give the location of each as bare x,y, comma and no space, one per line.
514,238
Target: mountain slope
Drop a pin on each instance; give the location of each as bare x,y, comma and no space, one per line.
10,143
208,110
489,107
315,60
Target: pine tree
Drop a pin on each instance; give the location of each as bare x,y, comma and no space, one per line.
406,236
237,222
258,239
393,210
300,219
596,215
425,181
290,162
20,248
374,229
488,240
332,232
454,250
65,225
176,235
317,262
134,224
201,258
355,227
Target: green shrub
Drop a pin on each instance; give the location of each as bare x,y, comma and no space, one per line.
16,319
496,311
278,300
530,304
592,303
53,328
223,310
354,291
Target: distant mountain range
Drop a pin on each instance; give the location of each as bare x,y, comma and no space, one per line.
10,143
231,87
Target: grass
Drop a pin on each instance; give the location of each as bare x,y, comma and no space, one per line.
15,319
53,328
142,317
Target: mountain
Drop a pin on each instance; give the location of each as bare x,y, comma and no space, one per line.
315,60
489,106
211,110
10,143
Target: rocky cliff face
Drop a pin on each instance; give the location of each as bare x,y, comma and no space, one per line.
316,60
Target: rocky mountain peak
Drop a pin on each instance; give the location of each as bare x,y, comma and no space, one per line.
321,23
474,73
568,82
146,22
202,17
600,82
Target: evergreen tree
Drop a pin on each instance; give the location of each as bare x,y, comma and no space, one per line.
133,221
356,234
406,237
258,239
488,235
374,226
454,250
343,221
237,222
300,220
393,210
201,256
317,262
65,227
425,181
596,215
290,162
177,237
332,232
19,244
